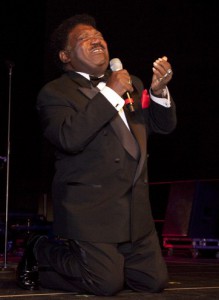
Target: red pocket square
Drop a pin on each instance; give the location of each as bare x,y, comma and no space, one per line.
145,99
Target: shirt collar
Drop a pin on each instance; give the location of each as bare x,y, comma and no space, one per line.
87,76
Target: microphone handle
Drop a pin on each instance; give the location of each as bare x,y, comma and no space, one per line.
129,103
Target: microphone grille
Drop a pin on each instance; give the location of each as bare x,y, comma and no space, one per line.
115,64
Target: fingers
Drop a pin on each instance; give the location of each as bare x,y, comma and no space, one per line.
129,87
168,73
120,81
124,79
162,69
161,65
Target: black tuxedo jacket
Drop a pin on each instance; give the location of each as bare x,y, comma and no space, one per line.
100,188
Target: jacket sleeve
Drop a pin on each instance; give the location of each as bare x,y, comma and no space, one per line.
158,119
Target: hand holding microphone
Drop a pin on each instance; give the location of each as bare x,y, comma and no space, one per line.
121,82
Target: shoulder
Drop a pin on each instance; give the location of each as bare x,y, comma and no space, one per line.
53,84
59,86
56,91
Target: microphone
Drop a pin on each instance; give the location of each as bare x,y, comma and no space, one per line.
116,65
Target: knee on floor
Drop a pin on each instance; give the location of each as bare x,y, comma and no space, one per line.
148,284
158,286
109,286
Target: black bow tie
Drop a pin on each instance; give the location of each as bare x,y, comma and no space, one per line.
96,80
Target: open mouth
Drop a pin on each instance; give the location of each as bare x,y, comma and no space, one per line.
97,50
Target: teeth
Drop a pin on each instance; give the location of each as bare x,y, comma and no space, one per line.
97,50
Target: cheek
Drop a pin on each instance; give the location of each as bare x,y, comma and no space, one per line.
77,56
81,52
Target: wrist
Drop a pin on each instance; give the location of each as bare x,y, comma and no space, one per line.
161,93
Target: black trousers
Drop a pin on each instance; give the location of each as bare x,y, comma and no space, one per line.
101,268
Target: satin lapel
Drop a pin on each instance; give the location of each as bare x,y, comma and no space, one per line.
89,92
84,85
125,136
139,132
79,79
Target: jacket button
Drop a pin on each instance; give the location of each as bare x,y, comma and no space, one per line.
117,160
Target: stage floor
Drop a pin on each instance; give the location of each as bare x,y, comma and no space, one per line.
190,278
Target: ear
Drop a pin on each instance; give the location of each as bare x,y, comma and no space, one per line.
64,57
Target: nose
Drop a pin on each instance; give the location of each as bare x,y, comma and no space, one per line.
95,40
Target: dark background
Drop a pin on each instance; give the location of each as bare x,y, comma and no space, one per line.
138,32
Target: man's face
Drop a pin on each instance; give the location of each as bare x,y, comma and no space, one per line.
86,51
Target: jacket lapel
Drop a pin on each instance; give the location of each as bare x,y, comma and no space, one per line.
142,144
127,139
84,85
139,131
89,92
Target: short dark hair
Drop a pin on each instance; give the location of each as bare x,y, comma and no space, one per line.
59,36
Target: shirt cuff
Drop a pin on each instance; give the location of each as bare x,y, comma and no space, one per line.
113,97
165,101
